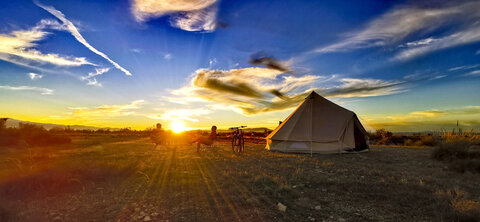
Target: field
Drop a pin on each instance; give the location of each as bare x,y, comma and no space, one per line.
123,178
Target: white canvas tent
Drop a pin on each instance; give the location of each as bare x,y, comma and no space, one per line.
319,126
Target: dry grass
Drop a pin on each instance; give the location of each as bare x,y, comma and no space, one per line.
461,155
107,178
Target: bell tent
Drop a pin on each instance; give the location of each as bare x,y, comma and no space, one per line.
319,126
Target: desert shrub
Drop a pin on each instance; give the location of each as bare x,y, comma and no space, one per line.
461,155
427,140
397,139
381,137
10,137
408,142
448,151
35,135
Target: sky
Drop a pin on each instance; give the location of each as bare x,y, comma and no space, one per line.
399,65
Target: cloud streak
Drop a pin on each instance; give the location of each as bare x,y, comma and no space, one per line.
191,15
17,46
421,18
180,114
269,62
473,73
109,110
42,91
70,27
363,88
91,78
254,90
458,68
34,76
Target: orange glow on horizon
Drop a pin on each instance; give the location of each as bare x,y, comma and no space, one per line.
178,127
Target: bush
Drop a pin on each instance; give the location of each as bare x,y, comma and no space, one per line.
428,140
408,142
380,137
461,155
10,137
35,135
448,151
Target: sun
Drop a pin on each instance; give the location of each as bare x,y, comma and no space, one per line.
178,127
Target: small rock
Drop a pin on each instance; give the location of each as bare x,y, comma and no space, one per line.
154,214
281,207
341,219
318,207
58,218
137,209
147,218
294,186
324,190
142,213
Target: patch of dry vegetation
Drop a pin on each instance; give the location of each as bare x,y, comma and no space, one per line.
32,135
105,176
461,154
384,137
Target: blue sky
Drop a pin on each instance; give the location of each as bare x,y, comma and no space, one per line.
401,65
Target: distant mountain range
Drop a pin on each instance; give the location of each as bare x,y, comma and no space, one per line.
14,123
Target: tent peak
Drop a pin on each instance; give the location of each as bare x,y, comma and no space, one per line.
312,94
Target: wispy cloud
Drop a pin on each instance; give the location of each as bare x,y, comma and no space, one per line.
135,50
350,87
473,73
18,45
395,25
109,110
248,90
167,56
256,90
180,114
70,27
34,76
420,42
461,37
212,62
91,77
437,77
463,67
42,91
194,15
269,62
104,115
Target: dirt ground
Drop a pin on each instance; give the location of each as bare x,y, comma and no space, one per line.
126,179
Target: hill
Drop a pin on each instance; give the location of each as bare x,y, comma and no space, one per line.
14,123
